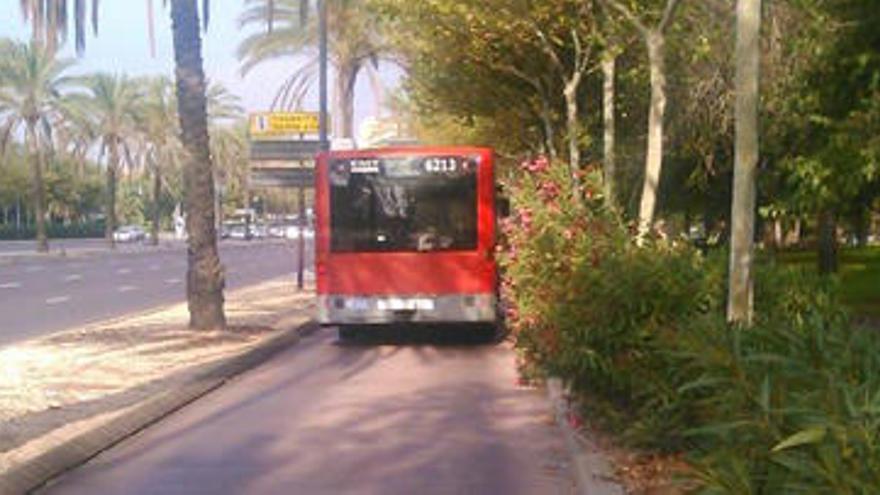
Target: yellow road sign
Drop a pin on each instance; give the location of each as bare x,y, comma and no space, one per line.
271,125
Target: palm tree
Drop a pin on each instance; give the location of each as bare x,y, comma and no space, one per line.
354,43
158,125
49,20
110,109
222,104
31,80
225,115
205,279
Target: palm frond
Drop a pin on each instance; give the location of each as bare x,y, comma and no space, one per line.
287,42
79,17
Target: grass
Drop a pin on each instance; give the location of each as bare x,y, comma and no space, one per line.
859,277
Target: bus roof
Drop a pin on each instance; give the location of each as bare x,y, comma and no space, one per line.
409,150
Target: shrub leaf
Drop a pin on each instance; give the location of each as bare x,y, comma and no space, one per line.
803,437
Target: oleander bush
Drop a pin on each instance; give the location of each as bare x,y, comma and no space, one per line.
790,404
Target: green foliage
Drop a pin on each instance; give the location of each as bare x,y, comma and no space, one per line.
790,404
859,273
85,230
514,58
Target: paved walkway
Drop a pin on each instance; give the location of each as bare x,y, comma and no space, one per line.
323,418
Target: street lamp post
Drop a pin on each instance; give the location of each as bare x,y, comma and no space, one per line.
322,132
322,73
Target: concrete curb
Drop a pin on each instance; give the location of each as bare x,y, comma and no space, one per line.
592,471
77,451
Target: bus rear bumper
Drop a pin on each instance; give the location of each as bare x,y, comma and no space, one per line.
354,310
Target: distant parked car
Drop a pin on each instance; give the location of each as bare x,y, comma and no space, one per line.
259,231
129,233
236,231
277,230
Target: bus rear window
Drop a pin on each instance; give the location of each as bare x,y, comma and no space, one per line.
419,203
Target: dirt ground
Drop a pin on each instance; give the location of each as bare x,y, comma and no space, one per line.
55,387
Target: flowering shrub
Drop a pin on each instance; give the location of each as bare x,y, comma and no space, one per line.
790,404
585,302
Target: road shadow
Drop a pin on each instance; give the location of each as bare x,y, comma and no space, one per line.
459,437
408,334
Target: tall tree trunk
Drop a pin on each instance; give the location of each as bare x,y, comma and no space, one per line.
38,188
608,142
827,244
573,126
110,205
346,78
740,293
778,234
549,132
654,156
157,210
18,215
205,280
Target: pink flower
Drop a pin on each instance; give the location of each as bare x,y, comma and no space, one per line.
512,313
574,420
525,218
537,166
568,234
550,190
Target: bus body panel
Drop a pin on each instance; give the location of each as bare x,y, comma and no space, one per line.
384,287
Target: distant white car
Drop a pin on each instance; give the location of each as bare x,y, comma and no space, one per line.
236,231
276,230
292,232
129,233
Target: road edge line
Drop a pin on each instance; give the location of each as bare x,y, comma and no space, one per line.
592,471
55,462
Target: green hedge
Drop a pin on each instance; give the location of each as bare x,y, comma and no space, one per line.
54,231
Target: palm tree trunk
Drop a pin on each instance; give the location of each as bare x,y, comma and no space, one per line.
157,211
112,166
38,188
654,156
345,82
205,280
740,291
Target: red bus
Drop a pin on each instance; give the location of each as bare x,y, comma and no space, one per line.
406,235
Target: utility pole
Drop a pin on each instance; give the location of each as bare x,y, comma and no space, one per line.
301,241
322,131
322,75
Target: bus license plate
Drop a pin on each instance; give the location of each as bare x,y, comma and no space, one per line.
357,304
397,304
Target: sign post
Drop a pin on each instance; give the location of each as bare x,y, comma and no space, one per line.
281,156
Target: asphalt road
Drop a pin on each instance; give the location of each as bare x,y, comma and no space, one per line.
365,419
41,295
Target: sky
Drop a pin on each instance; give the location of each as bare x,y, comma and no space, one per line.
122,46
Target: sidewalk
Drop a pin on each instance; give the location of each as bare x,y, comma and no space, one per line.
64,389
